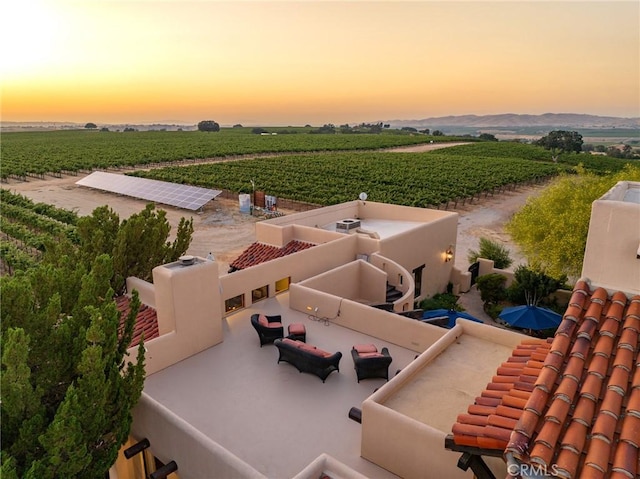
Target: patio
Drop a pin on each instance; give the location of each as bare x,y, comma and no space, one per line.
269,415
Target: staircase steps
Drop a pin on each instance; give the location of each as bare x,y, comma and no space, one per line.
392,294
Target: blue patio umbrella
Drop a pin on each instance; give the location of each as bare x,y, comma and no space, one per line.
530,317
450,313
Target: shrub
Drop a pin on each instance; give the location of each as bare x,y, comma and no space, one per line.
491,250
446,301
533,286
493,310
491,287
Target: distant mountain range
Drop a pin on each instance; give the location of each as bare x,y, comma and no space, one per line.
510,120
535,124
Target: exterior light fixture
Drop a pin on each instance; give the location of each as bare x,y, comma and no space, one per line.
448,255
313,313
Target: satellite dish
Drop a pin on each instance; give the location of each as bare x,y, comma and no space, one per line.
363,196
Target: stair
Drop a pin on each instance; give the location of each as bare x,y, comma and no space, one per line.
392,294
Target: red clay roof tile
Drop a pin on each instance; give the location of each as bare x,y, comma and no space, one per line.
538,400
473,419
549,434
575,437
567,462
598,454
146,320
582,412
541,453
592,387
625,460
599,296
631,430
258,253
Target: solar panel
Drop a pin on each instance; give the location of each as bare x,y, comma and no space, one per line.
173,194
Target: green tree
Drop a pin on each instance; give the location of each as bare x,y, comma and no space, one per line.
487,137
91,126
492,289
67,386
492,250
98,232
137,244
560,141
208,125
532,286
551,229
141,244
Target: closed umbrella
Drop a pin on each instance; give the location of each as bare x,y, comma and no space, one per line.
530,317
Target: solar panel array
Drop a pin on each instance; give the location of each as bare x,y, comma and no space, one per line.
181,196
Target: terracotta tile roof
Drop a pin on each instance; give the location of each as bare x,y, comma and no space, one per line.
146,320
493,415
570,404
259,253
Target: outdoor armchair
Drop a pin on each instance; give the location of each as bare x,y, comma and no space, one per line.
269,328
369,362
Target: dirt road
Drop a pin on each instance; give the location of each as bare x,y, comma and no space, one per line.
221,229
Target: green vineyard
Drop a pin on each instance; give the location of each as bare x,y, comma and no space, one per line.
412,179
26,228
318,169
36,154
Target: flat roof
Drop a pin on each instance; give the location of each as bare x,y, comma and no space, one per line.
269,415
435,387
632,195
383,227
626,191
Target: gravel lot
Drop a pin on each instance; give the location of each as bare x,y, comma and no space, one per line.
221,229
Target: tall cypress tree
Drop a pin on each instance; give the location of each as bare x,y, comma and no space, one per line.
67,386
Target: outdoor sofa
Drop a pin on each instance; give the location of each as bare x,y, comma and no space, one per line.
307,358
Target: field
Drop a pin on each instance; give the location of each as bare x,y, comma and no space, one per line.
443,178
36,154
412,179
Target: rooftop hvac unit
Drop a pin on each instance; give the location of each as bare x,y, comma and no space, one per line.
347,225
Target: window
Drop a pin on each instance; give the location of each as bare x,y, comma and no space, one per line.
259,294
417,278
283,284
234,303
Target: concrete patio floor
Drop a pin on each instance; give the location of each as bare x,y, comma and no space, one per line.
269,415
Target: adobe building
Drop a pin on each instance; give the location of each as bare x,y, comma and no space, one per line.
217,403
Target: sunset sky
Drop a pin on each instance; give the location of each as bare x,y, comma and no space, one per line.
298,62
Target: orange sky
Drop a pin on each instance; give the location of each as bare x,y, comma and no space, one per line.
299,62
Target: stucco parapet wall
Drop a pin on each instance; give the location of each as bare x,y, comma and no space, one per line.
395,270
174,437
146,291
279,235
393,328
357,280
379,417
620,190
318,217
487,267
361,210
